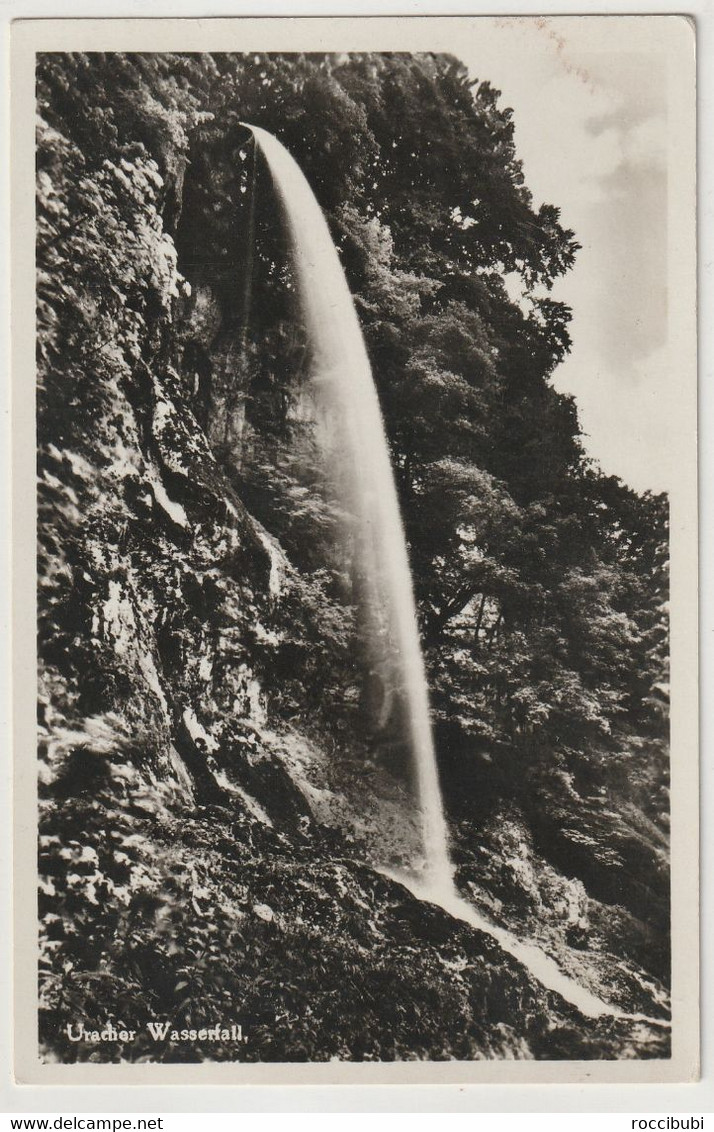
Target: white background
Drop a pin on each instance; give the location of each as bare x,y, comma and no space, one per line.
639,1100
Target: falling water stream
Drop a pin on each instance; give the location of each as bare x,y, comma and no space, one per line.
344,390
342,379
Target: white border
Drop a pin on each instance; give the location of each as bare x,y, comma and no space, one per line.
695,1097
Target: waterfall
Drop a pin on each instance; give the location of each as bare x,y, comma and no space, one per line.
344,390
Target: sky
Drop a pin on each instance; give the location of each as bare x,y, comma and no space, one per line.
591,130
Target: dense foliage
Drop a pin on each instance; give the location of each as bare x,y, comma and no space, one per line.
169,354
540,580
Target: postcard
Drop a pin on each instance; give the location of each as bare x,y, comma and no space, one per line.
354,376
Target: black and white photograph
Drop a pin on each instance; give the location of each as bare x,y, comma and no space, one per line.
364,413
